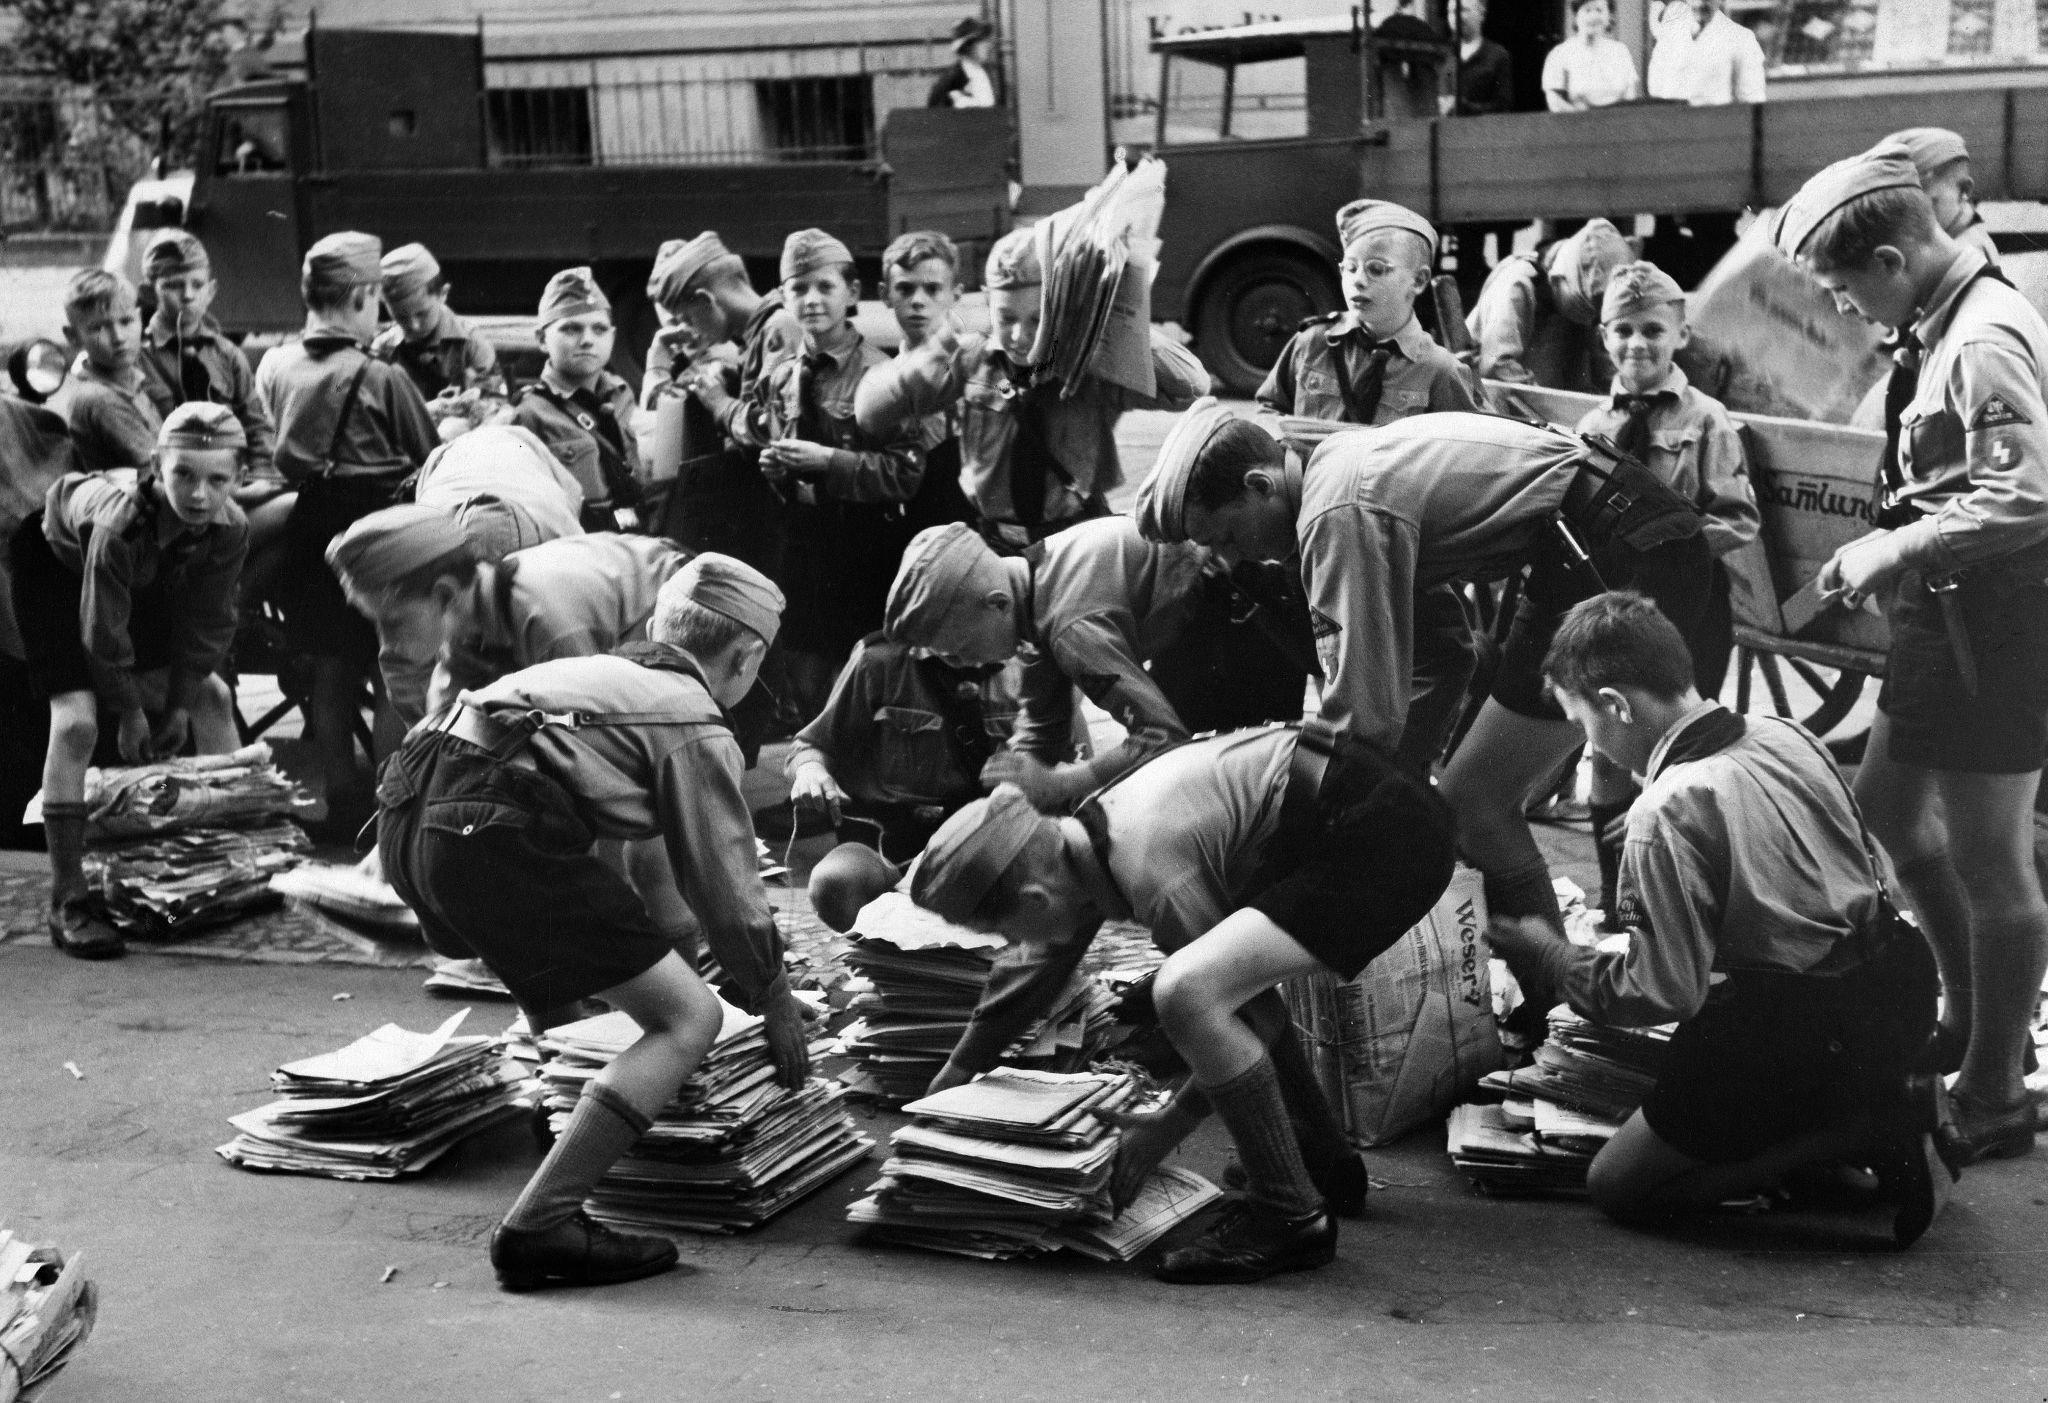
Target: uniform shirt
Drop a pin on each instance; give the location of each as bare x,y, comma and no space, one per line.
1973,444
676,776
1431,499
450,356
204,365
1103,600
304,388
1078,433
1696,448
771,335
123,537
1525,340
568,598
604,458
1595,73
1420,375
112,425
883,732
810,396
1720,64
1748,858
1180,839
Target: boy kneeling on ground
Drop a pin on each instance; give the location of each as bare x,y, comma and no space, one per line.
125,597
1746,857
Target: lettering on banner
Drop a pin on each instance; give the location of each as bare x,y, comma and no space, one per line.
1807,495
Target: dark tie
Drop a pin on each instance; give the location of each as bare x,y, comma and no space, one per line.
1634,436
1364,402
1898,393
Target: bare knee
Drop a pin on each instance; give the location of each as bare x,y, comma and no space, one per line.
74,726
1184,999
1618,1191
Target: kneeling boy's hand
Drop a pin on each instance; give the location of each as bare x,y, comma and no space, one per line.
789,1043
171,733
133,737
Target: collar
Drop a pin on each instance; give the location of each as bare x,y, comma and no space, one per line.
840,349
663,657
162,332
1409,339
1089,853
600,390
1941,304
83,369
1719,736
1675,385
323,336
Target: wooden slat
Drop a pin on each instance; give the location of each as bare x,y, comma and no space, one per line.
1801,137
1644,159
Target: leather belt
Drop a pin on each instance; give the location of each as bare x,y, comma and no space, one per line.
1315,745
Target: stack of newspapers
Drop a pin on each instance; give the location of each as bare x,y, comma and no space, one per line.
1017,1163
389,1104
731,1151
1100,257
1557,1114
47,1308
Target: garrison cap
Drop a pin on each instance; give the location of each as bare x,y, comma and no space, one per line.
342,261
732,588
573,292
1161,508
1362,217
808,250
386,546
1930,148
408,272
971,850
1637,286
1013,262
172,253
1883,167
208,427
938,572
1580,266
679,263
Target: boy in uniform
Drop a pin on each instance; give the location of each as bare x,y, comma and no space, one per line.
1252,857
579,409
114,422
921,284
439,350
490,813
1748,866
1943,160
124,598
1428,500
1656,416
1537,319
187,359
1035,460
350,430
1959,561
843,491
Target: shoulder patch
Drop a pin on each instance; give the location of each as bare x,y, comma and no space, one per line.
1323,625
1995,413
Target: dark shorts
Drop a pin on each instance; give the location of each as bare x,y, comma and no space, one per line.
46,611
499,867
1775,1056
1377,851
317,616
1678,575
1936,723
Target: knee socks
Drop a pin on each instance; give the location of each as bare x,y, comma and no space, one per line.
1251,1107
603,1127
64,835
1317,1129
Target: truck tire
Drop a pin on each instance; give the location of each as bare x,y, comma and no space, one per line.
1251,306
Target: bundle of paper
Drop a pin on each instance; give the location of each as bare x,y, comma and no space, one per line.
1015,1163
1100,257
917,980
186,880
731,1151
1590,1067
390,1103
1502,1152
238,790
47,1308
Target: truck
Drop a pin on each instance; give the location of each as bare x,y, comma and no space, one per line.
397,133
1267,129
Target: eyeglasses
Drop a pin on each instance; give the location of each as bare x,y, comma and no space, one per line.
1374,269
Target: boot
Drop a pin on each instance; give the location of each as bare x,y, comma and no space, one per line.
76,926
576,1252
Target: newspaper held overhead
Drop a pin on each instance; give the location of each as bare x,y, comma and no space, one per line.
1100,257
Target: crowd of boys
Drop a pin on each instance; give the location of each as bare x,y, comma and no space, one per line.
917,556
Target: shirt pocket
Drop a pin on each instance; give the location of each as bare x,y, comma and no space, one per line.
1929,446
1674,454
1399,404
912,756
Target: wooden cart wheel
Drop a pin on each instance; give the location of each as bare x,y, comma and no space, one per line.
1828,696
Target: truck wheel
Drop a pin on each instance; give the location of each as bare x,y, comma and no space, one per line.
1250,308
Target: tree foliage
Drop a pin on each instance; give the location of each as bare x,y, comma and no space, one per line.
144,63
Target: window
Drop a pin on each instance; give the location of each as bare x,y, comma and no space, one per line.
253,140
818,119
539,126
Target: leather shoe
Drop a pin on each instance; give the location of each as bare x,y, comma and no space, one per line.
1915,1161
1250,1243
77,930
1992,1132
1343,1184
577,1251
